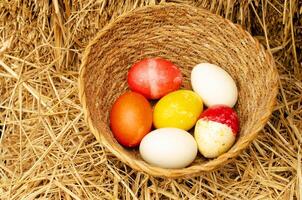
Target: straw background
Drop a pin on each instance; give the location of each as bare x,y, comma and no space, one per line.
46,149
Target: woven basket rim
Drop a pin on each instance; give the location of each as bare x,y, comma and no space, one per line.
191,170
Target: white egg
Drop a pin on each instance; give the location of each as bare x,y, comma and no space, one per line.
214,85
168,148
213,138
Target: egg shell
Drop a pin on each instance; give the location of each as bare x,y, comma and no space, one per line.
130,118
214,85
154,77
224,115
168,148
178,109
216,130
213,138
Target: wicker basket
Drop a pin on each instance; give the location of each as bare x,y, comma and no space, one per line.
186,36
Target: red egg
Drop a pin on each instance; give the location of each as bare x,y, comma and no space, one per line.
130,118
154,77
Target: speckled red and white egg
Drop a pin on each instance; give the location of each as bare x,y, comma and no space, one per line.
216,130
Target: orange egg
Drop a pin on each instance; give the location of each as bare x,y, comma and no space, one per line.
130,118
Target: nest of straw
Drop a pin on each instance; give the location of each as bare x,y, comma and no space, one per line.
46,148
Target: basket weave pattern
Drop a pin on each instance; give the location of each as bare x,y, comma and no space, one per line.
186,36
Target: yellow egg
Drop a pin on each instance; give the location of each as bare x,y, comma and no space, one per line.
179,109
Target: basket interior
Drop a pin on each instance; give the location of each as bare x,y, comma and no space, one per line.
186,37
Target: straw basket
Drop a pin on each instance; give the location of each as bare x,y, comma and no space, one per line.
186,36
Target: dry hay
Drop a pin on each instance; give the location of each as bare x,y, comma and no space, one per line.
46,149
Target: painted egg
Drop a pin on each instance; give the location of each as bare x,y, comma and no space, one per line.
154,77
130,118
214,85
178,109
168,148
216,130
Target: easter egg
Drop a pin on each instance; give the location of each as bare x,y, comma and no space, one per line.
154,77
130,118
168,148
178,109
214,85
216,130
